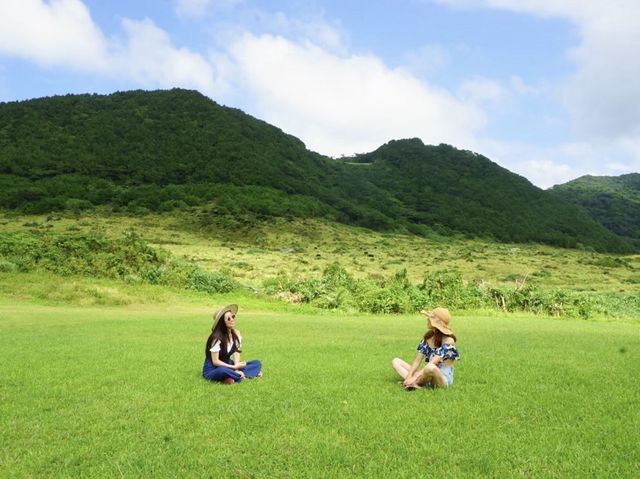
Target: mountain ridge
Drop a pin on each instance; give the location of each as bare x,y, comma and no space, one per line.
612,201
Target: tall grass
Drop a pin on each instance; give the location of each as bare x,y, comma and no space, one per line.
104,392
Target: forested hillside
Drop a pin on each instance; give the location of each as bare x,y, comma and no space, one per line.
613,201
166,149
158,151
467,191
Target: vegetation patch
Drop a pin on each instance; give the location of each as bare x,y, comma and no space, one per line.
128,258
337,289
319,263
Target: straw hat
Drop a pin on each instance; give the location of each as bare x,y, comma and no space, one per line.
439,319
233,308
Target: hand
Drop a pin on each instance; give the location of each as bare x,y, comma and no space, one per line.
241,365
241,374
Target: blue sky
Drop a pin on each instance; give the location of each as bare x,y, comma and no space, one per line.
545,88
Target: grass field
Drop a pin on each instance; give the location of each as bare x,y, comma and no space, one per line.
105,391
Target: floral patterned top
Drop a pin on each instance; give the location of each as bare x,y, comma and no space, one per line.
446,351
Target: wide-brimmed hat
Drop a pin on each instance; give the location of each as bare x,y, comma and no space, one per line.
439,318
233,308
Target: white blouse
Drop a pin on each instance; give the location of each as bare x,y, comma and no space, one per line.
215,346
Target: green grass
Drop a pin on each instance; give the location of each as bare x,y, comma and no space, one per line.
108,391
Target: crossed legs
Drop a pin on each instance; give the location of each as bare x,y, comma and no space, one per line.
429,375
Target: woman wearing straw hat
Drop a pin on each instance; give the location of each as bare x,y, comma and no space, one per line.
438,348
222,351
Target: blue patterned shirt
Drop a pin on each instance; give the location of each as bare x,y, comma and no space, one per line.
446,351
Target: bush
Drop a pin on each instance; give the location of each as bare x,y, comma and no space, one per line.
7,266
127,258
336,288
76,206
447,287
210,282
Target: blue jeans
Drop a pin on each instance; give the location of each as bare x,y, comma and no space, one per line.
220,373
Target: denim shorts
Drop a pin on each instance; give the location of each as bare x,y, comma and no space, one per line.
447,372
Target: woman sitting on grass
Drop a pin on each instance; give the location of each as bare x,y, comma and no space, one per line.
222,351
438,347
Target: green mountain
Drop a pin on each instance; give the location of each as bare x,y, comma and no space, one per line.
465,191
163,150
152,150
613,201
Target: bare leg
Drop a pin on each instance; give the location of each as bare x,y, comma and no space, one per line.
401,367
432,374
414,381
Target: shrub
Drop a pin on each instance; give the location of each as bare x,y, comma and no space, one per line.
127,258
75,205
448,288
336,288
7,266
210,281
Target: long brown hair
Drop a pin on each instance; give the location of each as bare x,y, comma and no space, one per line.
221,333
437,336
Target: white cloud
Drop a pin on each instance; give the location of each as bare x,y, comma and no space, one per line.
200,8
484,92
603,93
61,33
192,8
631,147
547,173
345,104
427,60
58,33
521,87
548,166
326,34
148,57
544,167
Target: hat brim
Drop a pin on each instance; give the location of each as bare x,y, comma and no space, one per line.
437,323
233,308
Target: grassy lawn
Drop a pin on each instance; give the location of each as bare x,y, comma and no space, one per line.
108,391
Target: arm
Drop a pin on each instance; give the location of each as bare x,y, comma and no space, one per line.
215,359
236,356
236,360
436,359
214,352
410,379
